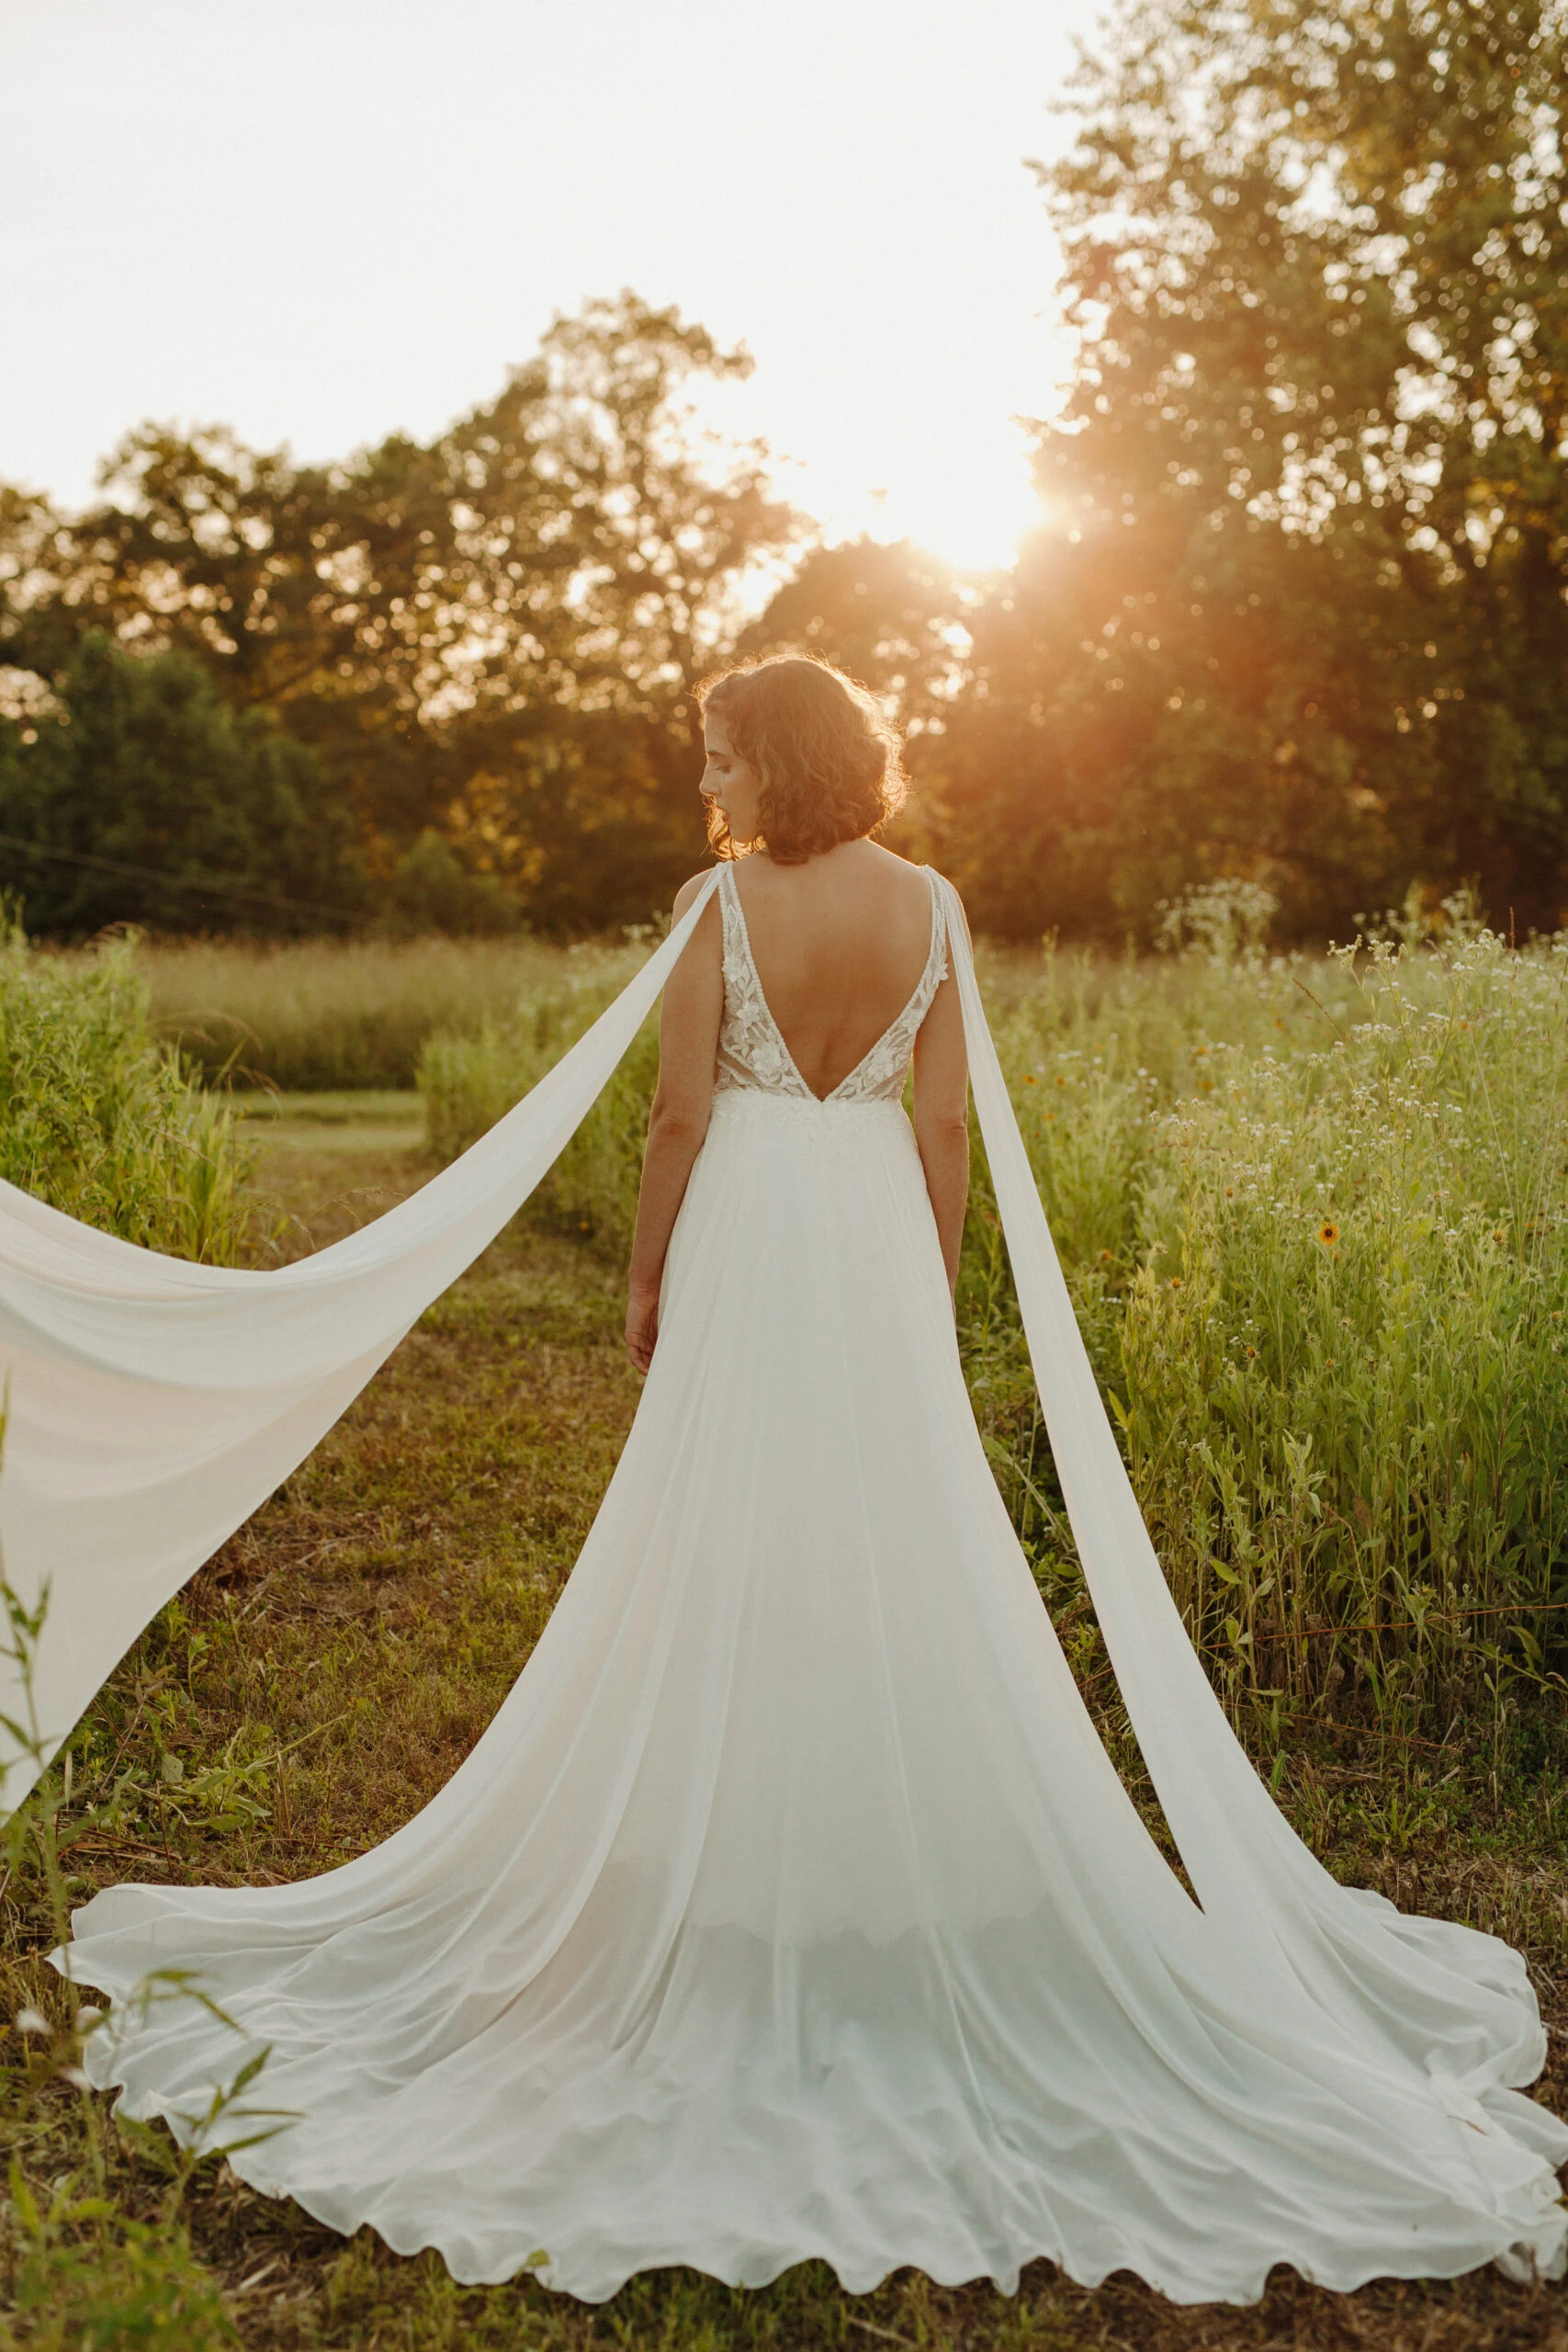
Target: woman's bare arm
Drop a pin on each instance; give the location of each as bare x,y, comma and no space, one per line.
688,1041
941,1118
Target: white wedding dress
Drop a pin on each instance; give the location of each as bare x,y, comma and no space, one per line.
790,1906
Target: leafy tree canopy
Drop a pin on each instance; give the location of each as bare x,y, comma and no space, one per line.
141,794
1298,608
488,636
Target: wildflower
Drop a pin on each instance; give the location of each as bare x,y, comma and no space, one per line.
1105,1257
1175,1281
32,2021
1060,1080
1252,1352
1029,1078
1328,1234
76,2076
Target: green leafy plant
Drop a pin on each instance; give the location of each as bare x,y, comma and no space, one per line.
81,2270
98,1119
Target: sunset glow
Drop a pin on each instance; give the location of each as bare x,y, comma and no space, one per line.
845,191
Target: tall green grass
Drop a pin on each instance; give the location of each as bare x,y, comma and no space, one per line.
328,1015
469,1081
1315,1220
1313,1212
98,1119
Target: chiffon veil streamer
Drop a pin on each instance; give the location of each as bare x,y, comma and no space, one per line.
151,1405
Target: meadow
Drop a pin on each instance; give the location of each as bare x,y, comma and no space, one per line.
327,1013
1313,1212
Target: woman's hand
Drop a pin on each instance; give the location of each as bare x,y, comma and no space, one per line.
642,1323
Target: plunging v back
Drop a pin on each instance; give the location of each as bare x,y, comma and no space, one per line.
790,1906
752,1049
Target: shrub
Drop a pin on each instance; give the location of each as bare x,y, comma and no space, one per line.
432,890
468,1083
99,1120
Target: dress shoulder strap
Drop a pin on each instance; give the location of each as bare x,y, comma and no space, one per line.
737,945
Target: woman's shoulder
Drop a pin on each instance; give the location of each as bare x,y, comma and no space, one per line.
688,892
911,877
923,881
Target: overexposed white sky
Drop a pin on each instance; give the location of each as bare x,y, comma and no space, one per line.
320,221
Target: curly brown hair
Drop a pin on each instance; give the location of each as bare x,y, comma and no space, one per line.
828,763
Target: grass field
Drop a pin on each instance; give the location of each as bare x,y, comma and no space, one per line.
321,1678
325,1014
1315,1218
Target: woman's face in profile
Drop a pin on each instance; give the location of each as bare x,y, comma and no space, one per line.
730,783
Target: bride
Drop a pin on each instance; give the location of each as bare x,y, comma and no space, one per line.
790,1906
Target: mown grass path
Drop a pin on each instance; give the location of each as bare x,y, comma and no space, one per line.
353,1639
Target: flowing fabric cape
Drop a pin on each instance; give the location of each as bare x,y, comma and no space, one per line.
153,1405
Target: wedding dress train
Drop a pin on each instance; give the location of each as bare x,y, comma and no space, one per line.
790,1906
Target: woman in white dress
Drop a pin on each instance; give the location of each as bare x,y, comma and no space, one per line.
790,1906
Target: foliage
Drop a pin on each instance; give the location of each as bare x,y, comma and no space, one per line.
97,1119
488,636
432,890
141,770
468,1083
891,616
1315,1222
1297,609
1363,1350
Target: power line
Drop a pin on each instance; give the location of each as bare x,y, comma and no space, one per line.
205,885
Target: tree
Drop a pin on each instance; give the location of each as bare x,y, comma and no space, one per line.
488,636
1299,608
144,794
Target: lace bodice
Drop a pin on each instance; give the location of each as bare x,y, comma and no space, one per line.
752,1053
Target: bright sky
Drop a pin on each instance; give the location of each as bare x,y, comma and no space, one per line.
320,221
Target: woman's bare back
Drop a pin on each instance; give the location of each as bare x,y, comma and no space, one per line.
839,943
